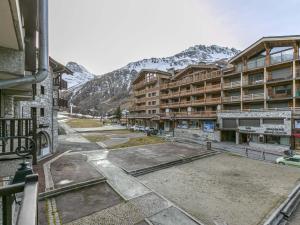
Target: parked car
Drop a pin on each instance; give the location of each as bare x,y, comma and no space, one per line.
289,160
141,128
153,131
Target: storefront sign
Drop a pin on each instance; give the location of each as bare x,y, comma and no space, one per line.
277,131
208,126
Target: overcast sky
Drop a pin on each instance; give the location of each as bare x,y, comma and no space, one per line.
104,35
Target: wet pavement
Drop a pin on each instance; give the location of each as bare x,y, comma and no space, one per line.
79,203
72,168
142,157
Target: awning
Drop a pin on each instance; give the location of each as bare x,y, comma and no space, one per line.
296,135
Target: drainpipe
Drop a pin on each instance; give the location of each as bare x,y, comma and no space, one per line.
43,57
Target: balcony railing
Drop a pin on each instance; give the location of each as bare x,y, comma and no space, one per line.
283,95
141,100
144,83
62,84
252,82
28,213
18,136
256,63
287,77
232,98
283,56
195,77
233,84
138,93
251,97
214,87
193,114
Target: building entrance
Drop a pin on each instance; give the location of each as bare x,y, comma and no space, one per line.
228,135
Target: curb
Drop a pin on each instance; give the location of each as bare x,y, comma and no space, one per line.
62,190
286,209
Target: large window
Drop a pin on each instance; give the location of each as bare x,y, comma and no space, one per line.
256,78
282,90
249,122
273,121
229,123
279,140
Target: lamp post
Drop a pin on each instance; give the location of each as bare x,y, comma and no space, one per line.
173,116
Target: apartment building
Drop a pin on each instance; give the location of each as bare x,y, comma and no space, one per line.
253,100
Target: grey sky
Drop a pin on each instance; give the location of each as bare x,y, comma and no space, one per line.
104,35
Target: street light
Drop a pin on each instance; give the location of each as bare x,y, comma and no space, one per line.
173,117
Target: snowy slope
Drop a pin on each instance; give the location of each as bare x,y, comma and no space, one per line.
80,75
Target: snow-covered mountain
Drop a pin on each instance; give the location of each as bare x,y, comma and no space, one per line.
109,90
80,75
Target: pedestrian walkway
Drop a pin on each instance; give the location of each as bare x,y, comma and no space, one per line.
119,199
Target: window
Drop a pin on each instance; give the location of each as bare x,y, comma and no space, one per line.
42,112
273,121
42,90
154,94
249,122
256,78
229,123
153,102
153,111
149,95
286,90
293,159
279,140
278,105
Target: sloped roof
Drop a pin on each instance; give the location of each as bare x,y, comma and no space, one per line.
143,71
260,44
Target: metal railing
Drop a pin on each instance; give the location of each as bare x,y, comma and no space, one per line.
28,211
18,136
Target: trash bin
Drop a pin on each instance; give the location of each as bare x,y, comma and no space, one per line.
208,145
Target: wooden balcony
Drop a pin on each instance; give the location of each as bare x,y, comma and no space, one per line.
215,87
216,100
251,97
60,103
279,96
192,103
194,114
229,99
141,100
287,77
198,102
253,82
228,85
139,93
60,83
144,83
195,77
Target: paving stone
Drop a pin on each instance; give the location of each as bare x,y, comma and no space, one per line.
80,203
171,216
129,213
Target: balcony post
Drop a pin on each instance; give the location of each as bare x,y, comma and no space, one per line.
294,84
7,201
34,135
265,87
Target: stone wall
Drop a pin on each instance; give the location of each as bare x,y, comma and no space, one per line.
198,134
48,122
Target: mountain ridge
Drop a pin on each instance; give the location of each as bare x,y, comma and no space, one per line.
102,93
